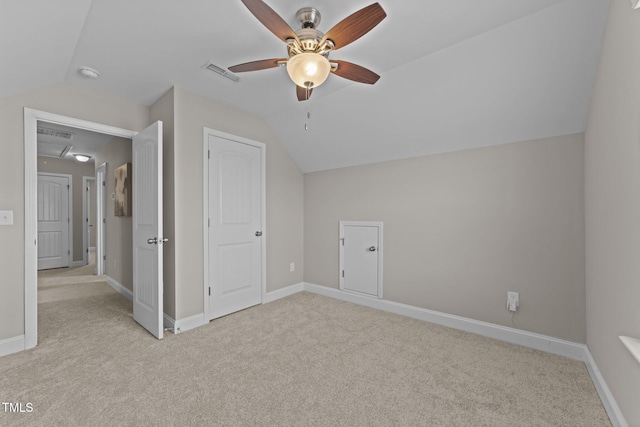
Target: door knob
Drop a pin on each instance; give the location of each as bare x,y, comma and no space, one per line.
258,233
372,249
156,241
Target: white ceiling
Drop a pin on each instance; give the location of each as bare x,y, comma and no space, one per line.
454,74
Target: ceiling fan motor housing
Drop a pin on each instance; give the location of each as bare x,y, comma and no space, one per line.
309,17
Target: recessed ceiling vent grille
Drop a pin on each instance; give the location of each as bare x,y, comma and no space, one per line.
55,133
210,66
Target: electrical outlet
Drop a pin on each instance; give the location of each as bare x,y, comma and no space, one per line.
513,300
292,267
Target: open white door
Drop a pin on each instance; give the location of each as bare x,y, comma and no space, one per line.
147,228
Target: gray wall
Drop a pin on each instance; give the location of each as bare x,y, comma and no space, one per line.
463,228
284,184
78,171
612,182
63,99
119,232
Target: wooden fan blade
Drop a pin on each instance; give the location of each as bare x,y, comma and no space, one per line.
303,93
270,19
256,65
355,72
355,25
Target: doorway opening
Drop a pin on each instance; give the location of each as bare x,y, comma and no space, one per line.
32,119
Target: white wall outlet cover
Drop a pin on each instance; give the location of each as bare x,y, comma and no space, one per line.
6,217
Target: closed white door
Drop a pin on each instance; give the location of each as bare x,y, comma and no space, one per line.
235,233
54,249
361,257
147,229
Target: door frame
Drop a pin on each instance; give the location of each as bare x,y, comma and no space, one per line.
380,226
86,201
101,215
70,207
205,217
31,119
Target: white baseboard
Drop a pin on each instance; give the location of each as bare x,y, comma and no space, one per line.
540,342
12,345
77,264
183,325
609,403
282,292
119,288
176,326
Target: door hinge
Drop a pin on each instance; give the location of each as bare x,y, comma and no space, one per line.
209,221
209,290
68,186
208,154
104,220
104,183
342,273
87,250
342,239
68,220
104,257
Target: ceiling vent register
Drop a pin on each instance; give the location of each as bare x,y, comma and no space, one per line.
210,66
55,133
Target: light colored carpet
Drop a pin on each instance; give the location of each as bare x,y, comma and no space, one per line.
305,360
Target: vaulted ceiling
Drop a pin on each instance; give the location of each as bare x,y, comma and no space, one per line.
454,74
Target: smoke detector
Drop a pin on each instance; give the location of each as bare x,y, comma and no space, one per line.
89,73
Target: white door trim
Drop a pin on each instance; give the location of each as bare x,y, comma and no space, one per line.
31,118
377,224
205,216
70,181
101,215
85,223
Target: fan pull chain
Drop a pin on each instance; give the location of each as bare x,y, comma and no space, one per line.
306,125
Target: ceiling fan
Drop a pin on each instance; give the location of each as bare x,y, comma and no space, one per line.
308,64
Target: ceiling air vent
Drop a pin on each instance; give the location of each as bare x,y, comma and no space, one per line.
210,66
55,133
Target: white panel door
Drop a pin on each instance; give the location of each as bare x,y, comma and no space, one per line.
361,257
101,219
53,221
146,169
235,210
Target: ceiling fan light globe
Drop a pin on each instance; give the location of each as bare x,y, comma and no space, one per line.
308,69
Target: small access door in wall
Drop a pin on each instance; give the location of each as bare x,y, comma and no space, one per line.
361,257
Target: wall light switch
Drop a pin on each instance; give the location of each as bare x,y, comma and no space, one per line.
6,217
292,267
